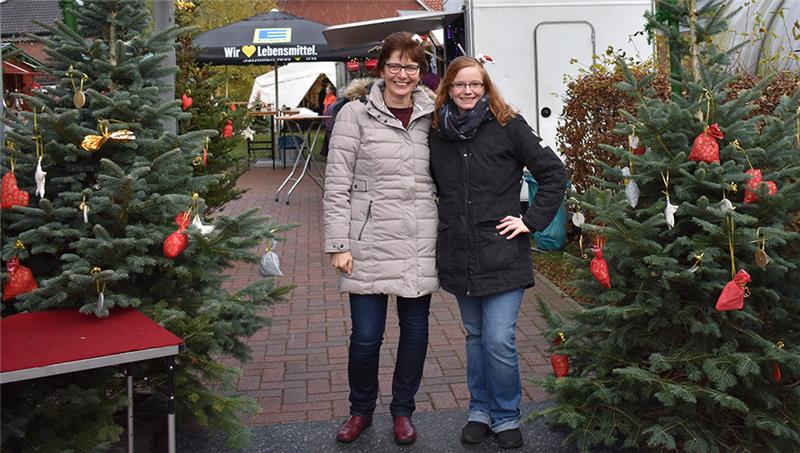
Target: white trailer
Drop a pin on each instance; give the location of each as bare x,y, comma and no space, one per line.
536,43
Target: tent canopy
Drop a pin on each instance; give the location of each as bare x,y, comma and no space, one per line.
270,38
294,81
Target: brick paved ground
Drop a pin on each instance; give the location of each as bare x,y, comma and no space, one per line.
299,366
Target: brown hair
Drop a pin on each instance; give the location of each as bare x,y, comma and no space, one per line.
401,41
497,105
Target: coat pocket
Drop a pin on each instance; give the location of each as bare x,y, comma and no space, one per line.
495,252
445,251
359,185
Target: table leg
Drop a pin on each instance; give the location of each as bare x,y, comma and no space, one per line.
290,177
129,380
170,404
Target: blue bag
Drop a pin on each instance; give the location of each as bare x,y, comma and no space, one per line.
555,235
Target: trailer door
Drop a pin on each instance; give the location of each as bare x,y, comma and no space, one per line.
555,45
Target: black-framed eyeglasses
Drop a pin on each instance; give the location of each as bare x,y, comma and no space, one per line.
394,68
461,86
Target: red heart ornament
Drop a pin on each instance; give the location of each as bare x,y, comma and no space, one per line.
559,362
705,147
186,102
20,280
175,244
732,297
12,195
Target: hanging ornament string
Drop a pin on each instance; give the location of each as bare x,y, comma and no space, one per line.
78,99
85,209
738,146
94,142
669,209
697,259
797,127
731,231
709,106
101,287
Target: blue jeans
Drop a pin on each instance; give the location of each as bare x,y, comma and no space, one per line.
368,313
492,361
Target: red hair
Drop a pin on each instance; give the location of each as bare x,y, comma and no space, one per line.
497,105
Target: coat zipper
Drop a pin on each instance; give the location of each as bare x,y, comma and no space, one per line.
467,215
369,214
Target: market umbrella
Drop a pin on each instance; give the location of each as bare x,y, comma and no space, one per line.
274,37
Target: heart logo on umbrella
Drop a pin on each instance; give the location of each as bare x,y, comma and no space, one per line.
248,50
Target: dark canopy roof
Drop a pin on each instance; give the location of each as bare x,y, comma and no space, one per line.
269,38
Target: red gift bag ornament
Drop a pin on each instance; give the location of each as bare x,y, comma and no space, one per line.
599,267
732,297
12,195
233,107
227,131
705,147
559,362
756,179
20,280
186,102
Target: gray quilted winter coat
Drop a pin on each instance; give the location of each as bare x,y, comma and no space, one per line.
379,201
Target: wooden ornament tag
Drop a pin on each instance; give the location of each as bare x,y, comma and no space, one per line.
79,99
762,259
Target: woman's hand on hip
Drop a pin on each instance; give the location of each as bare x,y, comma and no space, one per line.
342,262
513,225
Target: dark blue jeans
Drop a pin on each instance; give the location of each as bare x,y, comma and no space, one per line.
368,313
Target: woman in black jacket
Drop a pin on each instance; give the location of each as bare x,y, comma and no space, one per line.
479,146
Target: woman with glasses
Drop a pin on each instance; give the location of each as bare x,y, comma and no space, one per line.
479,146
380,230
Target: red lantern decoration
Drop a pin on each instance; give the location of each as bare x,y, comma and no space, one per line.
175,244
20,279
352,66
371,64
12,195
559,362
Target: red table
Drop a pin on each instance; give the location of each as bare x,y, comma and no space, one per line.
48,343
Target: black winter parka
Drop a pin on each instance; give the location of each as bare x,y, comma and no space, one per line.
478,183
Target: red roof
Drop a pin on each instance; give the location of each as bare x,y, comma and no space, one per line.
434,5
337,12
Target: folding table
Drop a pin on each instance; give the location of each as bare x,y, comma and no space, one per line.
307,127
52,342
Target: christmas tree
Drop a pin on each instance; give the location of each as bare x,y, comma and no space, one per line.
199,90
115,221
693,340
